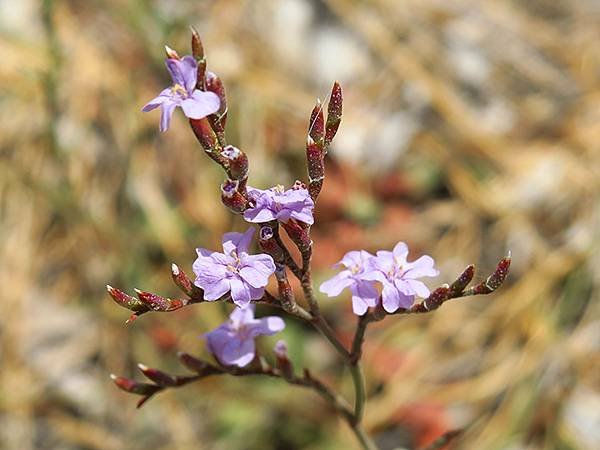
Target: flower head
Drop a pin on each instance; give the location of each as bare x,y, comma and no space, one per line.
243,275
399,277
232,343
363,291
195,104
279,204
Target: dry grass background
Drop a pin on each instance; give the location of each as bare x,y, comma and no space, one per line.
470,128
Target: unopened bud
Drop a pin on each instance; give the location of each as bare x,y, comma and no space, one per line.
238,162
334,114
283,361
159,303
125,300
232,198
268,243
463,280
134,387
171,54
205,135
316,167
198,54
157,376
193,363
214,84
298,234
494,281
436,298
316,125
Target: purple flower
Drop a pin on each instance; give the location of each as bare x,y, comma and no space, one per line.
281,205
399,277
196,104
364,293
232,343
234,270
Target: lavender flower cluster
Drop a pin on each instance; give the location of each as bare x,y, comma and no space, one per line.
380,284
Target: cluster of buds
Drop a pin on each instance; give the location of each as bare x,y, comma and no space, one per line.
381,284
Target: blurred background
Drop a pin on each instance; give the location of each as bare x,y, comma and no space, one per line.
470,128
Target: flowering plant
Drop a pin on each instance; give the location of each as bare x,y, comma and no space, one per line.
381,285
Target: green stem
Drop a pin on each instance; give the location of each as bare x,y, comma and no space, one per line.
359,391
365,441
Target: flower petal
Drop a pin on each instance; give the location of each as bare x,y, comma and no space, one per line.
259,214
422,267
189,73
253,277
238,352
418,287
200,104
238,242
167,108
400,252
334,286
240,316
214,291
267,326
240,293
393,299
157,101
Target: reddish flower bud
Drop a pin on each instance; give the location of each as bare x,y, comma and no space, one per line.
238,162
298,234
316,125
436,298
286,294
171,54
125,300
316,167
268,243
181,279
196,365
334,114
134,387
214,84
463,280
494,281
207,138
198,53
283,361
157,376
232,198
158,303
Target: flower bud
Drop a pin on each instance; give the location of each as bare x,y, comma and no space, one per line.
125,300
334,114
316,167
316,125
463,280
171,54
268,243
494,281
157,376
206,136
214,84
283,361
193,363
238,162
298,234
436,298
134,387
198,54
232,198
158,303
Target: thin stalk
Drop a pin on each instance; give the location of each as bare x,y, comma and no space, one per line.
359,391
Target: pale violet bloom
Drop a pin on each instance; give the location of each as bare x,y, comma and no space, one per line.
363,291
243,275
232,343
279,204
399,277
195,104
